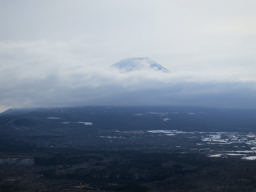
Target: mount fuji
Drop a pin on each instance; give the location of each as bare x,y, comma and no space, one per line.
139,64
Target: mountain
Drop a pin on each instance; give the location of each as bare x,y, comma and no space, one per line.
138,63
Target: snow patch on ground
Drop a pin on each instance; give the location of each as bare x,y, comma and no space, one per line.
85,123
249,158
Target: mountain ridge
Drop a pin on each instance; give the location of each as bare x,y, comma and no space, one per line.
138,64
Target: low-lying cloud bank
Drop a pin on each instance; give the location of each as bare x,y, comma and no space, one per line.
42,74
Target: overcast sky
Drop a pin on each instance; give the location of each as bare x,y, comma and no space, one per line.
51,48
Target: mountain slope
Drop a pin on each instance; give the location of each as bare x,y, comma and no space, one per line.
138,63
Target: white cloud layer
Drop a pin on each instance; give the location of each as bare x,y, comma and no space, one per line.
64,49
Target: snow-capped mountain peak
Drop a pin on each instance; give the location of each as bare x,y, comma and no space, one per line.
138,63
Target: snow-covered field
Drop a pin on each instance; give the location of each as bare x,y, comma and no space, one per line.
243,144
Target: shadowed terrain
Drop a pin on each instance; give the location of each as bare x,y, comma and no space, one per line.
128,149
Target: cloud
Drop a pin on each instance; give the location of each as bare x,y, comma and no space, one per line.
42,73
59,52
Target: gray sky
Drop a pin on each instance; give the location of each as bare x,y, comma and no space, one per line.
63,48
